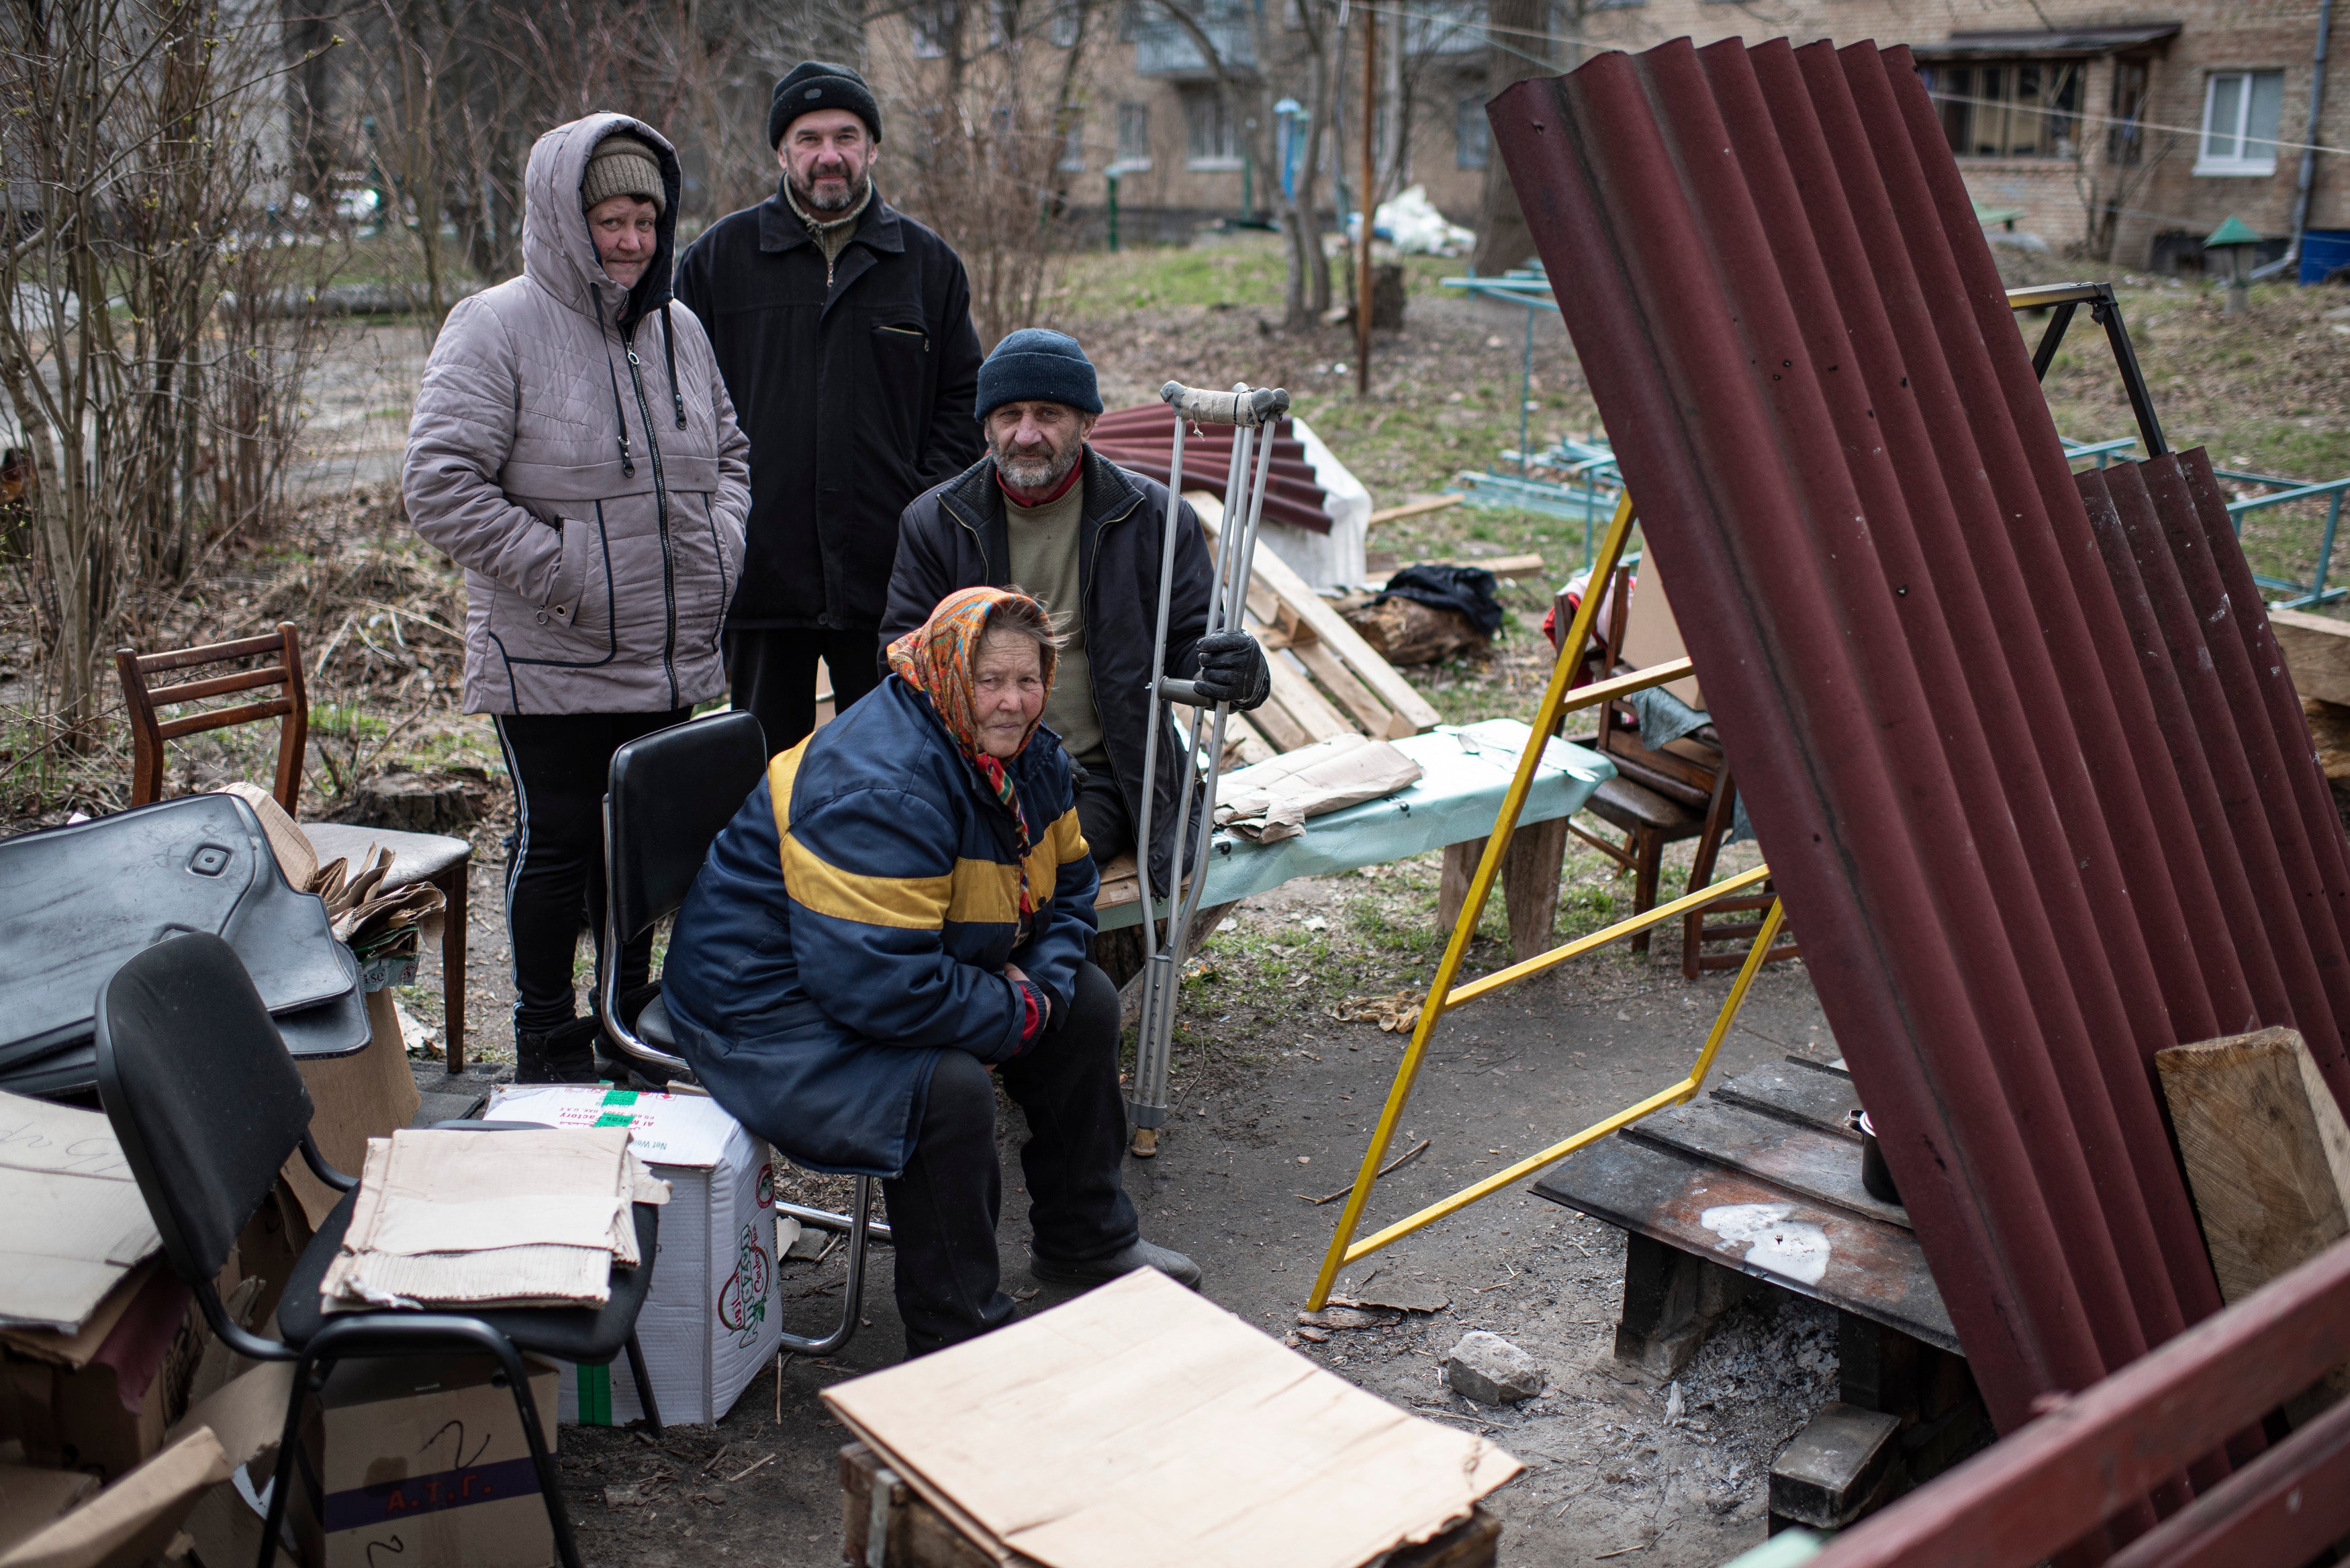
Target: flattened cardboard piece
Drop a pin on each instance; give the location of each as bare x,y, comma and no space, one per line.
295,857
72,1222
132,1520
32,1499
368,1093
226,1529
247,1413
1653,636
1271,800
710,1319
1141,1426
423,1461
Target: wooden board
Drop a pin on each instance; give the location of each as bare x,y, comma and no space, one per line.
2266,1151
1313,611
2316,651
1872,1269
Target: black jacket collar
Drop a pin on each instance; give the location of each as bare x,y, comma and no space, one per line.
978,500
780,228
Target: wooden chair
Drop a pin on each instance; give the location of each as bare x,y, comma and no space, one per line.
1662,795
430,857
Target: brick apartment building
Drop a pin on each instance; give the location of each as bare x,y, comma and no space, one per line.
2123,134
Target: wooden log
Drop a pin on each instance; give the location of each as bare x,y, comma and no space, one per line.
1419,508
1405,631
2316,651
2266,1150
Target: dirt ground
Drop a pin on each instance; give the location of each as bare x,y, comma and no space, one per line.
1274,1094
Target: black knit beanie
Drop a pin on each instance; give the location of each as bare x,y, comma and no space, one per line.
1039,365
813,85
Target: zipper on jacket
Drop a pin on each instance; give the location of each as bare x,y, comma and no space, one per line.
1085,597
661,513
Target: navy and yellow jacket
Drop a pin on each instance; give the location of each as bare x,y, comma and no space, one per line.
854,920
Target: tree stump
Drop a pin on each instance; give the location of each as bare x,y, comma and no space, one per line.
422,803
1405,631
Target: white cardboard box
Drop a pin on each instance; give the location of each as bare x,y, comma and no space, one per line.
711,1322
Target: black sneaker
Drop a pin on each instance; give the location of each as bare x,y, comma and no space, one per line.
564,1054
1139,1254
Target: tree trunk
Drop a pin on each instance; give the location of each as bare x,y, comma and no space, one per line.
1503,241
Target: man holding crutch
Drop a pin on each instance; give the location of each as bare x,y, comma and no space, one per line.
1044,512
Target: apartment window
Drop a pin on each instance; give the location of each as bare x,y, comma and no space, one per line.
1061,27
1134,135
2125,137
1472,133
933,24
1213,140
2008,109
1072,149
2241,111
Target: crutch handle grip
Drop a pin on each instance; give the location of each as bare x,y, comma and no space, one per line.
1174,689
1258,406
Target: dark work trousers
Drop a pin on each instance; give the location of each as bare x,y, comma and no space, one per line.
554,860
773,674
1102,815
943,1211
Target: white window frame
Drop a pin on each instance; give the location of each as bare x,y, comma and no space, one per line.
2240,132
1133,136
1221,118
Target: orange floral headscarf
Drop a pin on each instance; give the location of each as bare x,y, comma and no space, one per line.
938,659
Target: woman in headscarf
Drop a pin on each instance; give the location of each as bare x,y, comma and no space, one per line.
574,449
901,908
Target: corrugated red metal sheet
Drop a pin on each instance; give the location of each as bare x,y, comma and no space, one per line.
2038,809
1142,438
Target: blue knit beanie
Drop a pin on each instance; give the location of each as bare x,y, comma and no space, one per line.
1037,364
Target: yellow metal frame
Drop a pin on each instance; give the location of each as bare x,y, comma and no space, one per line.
1444,995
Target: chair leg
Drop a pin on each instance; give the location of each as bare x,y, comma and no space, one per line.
644,1384
281,1486
1643,885
452,964
860,1203
550,1486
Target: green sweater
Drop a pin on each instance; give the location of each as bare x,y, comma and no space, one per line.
1044,566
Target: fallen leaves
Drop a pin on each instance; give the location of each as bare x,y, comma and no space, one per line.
1394,1014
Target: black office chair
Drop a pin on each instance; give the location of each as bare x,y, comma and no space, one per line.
208,1106
667,795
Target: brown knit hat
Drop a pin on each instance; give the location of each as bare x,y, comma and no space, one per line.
622,166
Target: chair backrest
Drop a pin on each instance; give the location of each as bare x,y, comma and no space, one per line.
147,732
203,1097
668,794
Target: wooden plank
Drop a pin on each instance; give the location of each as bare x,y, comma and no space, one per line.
2316,651
1499,565
1376,718
2260,1514
1330,625
1415,508
1305,704
2266,1151
1279,726
1863,1266
1806,1160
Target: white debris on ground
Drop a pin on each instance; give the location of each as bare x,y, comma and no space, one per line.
1411,224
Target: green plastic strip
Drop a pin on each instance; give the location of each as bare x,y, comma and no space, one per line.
595,1396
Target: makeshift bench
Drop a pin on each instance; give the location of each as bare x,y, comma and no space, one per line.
1466,773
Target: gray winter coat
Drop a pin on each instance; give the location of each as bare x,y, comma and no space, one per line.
575,450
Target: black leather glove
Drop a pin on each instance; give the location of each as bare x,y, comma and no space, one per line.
1232,670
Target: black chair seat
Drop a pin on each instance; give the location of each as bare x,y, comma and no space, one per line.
567,1333
654,1025
1632,807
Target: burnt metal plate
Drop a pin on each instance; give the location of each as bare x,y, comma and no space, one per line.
1806,1092
1805,1160
1863,1266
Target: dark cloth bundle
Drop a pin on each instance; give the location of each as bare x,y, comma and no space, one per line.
1465,590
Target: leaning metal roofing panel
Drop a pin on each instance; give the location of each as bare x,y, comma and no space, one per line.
2036,791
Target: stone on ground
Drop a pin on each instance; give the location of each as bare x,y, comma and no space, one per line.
1490,1370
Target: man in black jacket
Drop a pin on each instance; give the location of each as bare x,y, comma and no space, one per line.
843,331
1045,512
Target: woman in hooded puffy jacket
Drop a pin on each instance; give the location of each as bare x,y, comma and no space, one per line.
575,450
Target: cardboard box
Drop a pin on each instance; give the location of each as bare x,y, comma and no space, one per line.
710,1322
422,1461
133,1522
100,1398
371,1093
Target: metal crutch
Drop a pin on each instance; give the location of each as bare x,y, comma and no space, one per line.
1248,410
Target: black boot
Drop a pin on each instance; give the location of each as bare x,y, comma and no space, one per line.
563,1055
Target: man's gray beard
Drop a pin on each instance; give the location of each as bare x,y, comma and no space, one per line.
810,202
1031,475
